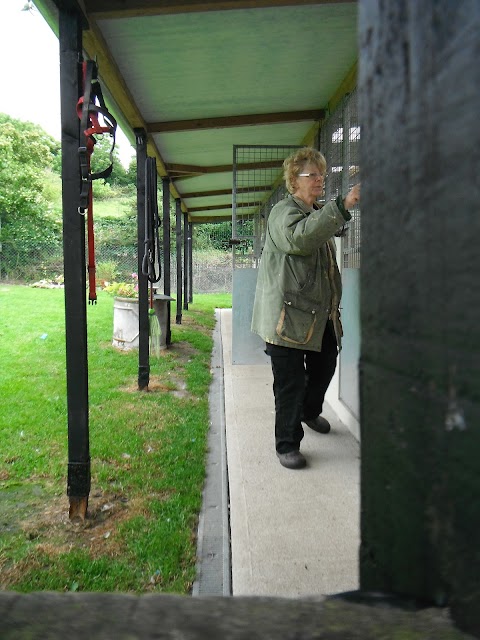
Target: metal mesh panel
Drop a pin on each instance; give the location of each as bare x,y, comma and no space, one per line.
342,154
257,186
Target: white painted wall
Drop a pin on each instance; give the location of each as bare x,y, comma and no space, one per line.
333,393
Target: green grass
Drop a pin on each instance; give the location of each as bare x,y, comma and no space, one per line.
147,451
115,207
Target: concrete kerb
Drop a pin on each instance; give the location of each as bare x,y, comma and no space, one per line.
213,536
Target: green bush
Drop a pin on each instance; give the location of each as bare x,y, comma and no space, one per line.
107,271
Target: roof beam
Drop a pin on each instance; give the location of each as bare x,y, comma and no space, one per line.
214,217
225,192
177,171
109,9
235,121
214,207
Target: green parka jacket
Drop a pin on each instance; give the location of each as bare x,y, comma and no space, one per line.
299,285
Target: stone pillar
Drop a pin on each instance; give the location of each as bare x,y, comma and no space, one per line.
419,82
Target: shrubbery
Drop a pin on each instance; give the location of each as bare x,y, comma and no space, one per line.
31,215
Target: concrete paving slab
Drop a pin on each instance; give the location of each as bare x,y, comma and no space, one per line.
293,533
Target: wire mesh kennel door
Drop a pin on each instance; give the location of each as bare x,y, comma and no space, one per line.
257,186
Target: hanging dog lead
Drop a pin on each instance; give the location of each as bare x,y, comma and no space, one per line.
89,112
151,258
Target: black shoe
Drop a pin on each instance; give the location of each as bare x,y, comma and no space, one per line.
318,424
292,460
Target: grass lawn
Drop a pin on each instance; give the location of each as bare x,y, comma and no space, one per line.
114,207
147,451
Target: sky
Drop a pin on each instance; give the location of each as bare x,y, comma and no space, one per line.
30,72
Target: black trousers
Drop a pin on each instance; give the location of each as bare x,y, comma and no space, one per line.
300,381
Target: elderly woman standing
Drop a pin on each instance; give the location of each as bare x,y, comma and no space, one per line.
296,308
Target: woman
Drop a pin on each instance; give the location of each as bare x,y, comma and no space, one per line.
296,308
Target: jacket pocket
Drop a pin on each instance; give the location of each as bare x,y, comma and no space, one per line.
297,318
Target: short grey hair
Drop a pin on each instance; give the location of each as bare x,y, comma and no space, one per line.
294,164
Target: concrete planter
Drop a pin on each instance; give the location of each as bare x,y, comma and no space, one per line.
125,323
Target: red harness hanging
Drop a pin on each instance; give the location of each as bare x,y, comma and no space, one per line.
88,112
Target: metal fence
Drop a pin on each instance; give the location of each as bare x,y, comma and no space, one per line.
341,151
212,268
258,184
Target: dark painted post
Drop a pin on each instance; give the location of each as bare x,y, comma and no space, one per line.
190,262
143,323
78,483
167,276
178,235
186,254
420,141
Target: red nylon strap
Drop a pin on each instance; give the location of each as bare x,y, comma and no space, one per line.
94,124
88,112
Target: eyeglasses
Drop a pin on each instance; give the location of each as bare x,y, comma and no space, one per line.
312,176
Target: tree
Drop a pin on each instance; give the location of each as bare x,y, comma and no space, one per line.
100,160
213,235
26,153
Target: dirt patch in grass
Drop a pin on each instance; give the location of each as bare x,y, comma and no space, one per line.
172,381
48,528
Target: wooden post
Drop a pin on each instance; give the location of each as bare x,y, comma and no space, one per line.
167,277
143,322
78,483
190,261
186,255
420,317
178,230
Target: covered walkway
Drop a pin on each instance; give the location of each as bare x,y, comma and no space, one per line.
292,533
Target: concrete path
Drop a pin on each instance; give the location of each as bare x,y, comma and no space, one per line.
293,533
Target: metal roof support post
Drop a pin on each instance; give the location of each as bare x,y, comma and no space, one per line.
78,483
143,323
167,289
190,261
318,138
178,235
345,148
186,256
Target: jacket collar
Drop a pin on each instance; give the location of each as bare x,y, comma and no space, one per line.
303,206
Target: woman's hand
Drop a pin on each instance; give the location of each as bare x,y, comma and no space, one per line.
353,197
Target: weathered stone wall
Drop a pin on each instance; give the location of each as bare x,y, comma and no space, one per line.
420,365
100,616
